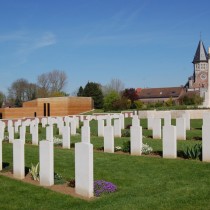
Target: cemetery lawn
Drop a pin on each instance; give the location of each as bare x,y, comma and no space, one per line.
143,182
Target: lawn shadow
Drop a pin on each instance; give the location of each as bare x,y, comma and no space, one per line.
5,165
26,170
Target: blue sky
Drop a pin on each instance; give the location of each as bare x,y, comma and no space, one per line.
144,43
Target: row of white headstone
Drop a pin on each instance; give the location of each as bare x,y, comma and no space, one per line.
182,124
83,162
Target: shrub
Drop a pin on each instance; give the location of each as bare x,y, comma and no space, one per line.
125,133
71,183
72,145
100,148
193,99
126,146
58,179
169,102
138,104
57,141
34,172
109,99
128,126
117,148
6,138
146,149
121,104
39,130
194,152
102,187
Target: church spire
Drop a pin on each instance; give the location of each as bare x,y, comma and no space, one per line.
201,54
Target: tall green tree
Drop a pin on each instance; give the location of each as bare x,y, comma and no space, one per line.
80,91
93,90
110,99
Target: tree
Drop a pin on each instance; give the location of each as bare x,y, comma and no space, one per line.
169,102
193,99
51,83
109,99
130,93
93,90
80,91
121,104
114,85
21,90
2,98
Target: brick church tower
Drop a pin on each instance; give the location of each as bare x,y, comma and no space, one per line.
199,80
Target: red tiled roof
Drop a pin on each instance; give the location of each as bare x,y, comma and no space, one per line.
167,92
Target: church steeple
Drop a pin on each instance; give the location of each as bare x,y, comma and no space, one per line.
201,54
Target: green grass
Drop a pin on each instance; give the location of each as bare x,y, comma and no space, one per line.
143,182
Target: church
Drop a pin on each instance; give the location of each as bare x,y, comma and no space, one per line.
199,80
196,84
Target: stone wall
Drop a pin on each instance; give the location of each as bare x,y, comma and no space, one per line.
194,114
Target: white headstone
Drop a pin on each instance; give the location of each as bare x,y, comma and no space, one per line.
100,127
156,132
117,128
31,126
206,138
150,120
49,133
81,118
60,127
44,122
136,140
84,169
186,115
35,135
1,131
66,137
122,121
135,121
73,127
108,139
85,134
86,123
11,132
108,120
169,141
181,128
77,121
18,159
1,154
167,118
23,133
9,123
46,160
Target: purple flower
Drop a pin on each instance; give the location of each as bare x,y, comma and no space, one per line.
103,187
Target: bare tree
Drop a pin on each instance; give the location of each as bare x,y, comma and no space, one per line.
21,90
51,83
57,80
114,85
2,98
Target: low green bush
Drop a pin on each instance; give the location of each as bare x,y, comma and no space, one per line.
126,146
125,133
194,152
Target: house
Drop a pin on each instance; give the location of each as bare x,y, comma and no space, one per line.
153,95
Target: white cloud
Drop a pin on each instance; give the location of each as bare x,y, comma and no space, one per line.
25,43
45,40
